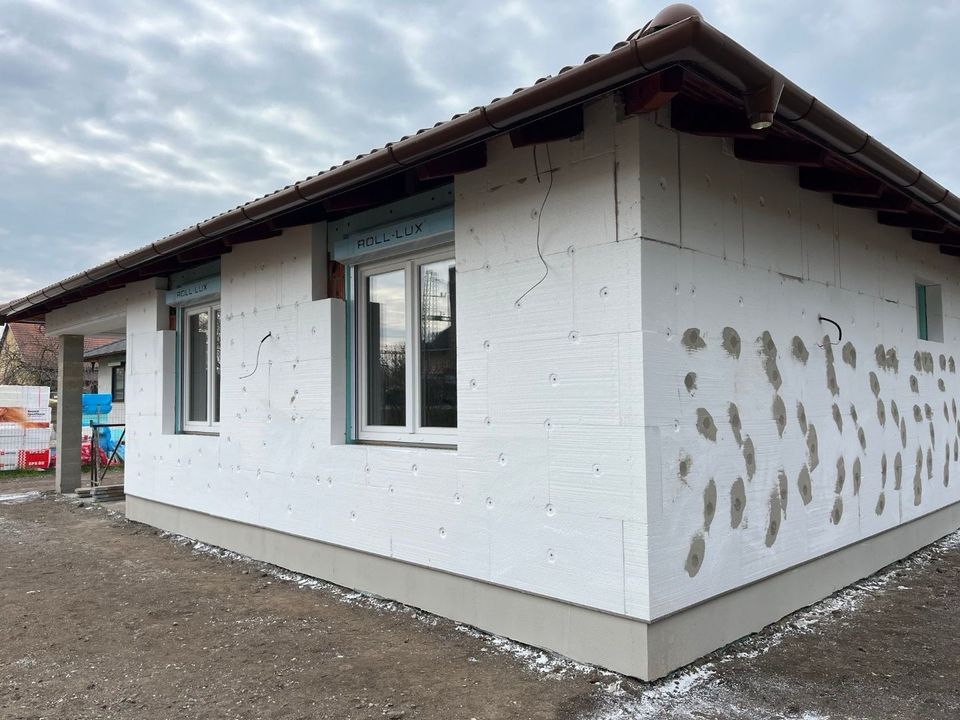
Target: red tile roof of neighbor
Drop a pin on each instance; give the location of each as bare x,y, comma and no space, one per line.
721,89
33,343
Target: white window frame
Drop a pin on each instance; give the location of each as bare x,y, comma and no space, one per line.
209,426
412,432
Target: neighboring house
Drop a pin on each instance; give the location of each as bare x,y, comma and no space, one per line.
110,361
563,367
28,356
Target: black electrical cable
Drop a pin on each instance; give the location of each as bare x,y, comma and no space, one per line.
821,318
257,364
546,269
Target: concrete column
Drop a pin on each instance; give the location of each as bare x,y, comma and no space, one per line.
69,415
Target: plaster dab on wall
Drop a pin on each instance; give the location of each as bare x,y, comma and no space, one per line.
774,516
929,464
874,384
862,437
768,351
779,414
853,414
692,340
709,504
946,467
749,457
804,486
903,433
837,417
883,470
953,408
917,361
881,413
683,468
943,362
841,475
897,471
946,412
731,342
941,385
849,355
690,382
956,450
799,350
895,412
881,503
733,413
695,555
783,490
832,384
951,365
914,385
933,436
927,411
837,513
887,360
705,425
926,362
738,502
856,476
802,417
813,448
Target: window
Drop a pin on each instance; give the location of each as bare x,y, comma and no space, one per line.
929,312
200,406
118,382
406,350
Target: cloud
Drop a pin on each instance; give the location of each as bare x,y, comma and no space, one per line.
126,120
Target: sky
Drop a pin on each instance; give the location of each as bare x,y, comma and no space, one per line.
122,121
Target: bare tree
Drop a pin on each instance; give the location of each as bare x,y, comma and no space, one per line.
36,367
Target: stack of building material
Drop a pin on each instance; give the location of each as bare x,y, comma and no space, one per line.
101,493
24,427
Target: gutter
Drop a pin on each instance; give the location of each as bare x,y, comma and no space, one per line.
689,42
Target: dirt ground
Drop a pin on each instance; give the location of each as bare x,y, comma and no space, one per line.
103,618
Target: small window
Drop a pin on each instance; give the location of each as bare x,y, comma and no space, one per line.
929,312
118,382
200,400
407,350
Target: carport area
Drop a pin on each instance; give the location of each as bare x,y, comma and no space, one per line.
104,618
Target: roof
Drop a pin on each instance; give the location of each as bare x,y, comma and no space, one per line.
717,88
117,347
36,346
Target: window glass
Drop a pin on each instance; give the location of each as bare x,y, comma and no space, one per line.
117,383
438,345
386,349
922,312
199,348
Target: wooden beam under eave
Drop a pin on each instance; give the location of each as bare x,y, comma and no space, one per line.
252,234
207,251
888,202
652,92
949,237
468,159
779,152
561,125
367,196
696,118
916,221
840,183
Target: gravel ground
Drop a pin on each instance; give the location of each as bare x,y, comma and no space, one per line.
103,618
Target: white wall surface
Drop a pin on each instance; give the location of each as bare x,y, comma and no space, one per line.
740,245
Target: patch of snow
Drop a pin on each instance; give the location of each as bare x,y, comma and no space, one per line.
17,498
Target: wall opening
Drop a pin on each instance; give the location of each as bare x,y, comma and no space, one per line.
929,312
